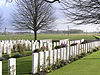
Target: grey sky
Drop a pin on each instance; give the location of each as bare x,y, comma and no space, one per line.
7,10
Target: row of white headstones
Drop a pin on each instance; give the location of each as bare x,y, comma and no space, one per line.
41,58
62,54
6,46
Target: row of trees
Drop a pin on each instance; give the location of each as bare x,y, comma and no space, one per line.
71,31
38,14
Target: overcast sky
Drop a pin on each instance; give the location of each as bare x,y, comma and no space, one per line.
6,11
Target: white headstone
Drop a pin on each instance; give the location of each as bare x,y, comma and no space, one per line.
54,44
33,47
47,58
0,67
41,59
65,54
34,63
59,54
62,53
71,51
0,51
51,57
4,48
37,45
50,46
75,50
55,56
58,43
12,66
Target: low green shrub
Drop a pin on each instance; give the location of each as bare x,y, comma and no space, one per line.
96,49
57,47
37,50
6,56
76,58
59,63
83,54
41,49
84,42
73,44
46,69
61,46
17,55
2,58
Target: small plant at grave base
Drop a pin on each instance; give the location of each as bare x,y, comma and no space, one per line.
76,58
83,54
84,42
14,49
6,56
79,56
13,70
91,51
71,59
43,48
46,69
73,44
21,49
95,49
37,50
58,64
17,55
61,46
88,52
57,47
49,69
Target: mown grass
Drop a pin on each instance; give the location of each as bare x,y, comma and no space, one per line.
24,66
89,65
47,36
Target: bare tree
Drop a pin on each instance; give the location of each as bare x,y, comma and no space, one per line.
34,15
52,1
82,11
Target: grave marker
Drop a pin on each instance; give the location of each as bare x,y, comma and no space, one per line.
12,66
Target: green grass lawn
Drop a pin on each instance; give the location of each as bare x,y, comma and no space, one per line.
89,65
24,66
47,36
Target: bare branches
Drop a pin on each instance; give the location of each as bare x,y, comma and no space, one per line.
52,1
82,11
33,14
1,20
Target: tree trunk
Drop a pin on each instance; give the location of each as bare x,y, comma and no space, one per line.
35,35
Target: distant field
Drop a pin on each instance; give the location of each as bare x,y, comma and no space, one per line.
47,36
